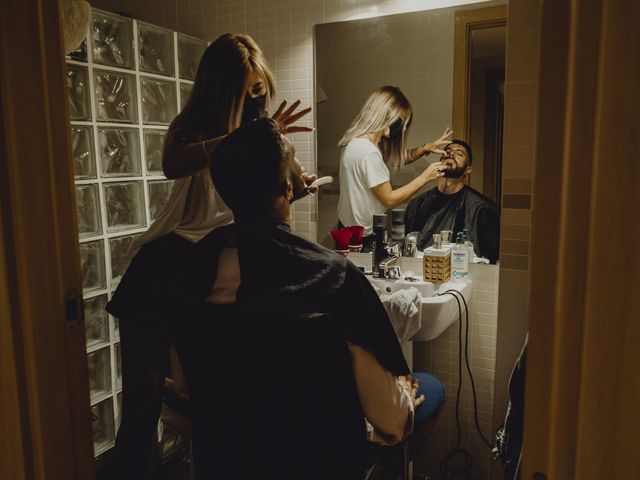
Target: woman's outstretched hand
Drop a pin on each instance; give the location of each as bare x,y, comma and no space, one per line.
434,146
287,118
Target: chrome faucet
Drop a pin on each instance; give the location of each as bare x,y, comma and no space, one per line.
388,268
411,244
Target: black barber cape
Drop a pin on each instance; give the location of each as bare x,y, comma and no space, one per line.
283,272
433,211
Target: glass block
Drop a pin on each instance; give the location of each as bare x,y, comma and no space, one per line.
92,265
185,93
116,349
96,320
88,208
99,373
119,152
119,405
153,149
190,51
78,89
115,97
116,328
125,205
82,151
119,248
155,49
80,54
158,101
159,193
102,425
112,40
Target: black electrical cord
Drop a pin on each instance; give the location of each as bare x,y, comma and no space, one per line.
445,468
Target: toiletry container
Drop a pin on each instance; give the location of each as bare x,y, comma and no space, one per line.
460,259
436,262
380,242
397,225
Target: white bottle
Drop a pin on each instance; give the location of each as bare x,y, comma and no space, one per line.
460,260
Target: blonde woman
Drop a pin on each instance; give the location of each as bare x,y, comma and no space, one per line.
375,142
232,86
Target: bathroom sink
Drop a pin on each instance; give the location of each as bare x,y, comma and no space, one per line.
427,289
439,312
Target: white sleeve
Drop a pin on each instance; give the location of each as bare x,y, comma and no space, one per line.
374,170
385,404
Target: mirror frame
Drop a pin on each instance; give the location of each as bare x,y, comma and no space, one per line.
466,21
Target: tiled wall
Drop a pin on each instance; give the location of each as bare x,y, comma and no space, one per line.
440,357
517,175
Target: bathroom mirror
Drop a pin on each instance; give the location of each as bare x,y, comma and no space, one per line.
449,65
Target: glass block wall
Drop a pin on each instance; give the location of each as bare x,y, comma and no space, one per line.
126,84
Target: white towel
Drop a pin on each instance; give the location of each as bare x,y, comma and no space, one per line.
404,308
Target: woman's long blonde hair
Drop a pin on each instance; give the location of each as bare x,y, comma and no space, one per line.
215,105
383,107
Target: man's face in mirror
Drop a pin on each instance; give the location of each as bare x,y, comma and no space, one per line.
456,159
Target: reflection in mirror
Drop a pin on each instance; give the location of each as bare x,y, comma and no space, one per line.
449,64
414,52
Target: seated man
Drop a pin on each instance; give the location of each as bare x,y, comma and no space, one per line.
259,262
454,206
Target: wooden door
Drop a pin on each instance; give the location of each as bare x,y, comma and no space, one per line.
45,426
583,386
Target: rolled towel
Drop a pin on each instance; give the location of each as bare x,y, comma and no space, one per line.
404,308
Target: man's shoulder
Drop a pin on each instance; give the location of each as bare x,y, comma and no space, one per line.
424,196
479,198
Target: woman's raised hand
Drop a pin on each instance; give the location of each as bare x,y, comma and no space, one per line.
434,146
434,170
287,118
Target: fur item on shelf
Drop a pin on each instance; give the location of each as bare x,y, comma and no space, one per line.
75,20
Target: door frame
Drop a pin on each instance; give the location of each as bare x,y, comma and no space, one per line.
44,412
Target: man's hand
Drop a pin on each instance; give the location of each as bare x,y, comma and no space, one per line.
434,146
410,385
287,118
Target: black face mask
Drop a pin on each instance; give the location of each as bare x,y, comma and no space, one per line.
395,129
254,108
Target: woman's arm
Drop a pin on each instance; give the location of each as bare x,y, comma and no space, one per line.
429,147
185,159
390,198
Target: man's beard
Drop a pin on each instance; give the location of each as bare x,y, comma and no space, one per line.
454,172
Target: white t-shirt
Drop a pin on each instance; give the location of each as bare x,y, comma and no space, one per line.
361,168
193,210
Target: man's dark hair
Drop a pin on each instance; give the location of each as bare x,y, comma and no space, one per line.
250,168
467,147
